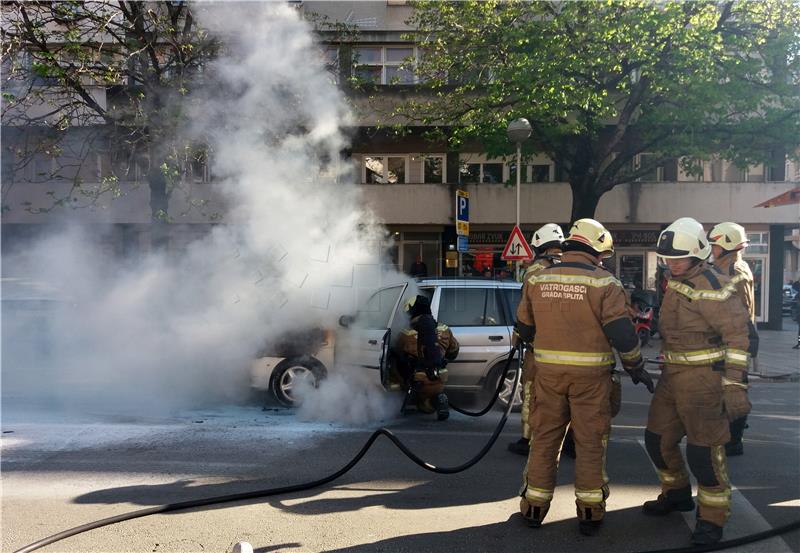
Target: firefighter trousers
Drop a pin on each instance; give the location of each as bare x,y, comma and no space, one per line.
579,397
688,402
528,376
427,389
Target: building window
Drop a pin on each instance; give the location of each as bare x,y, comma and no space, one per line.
384,169
383,65
653,173
540,173
433,169
759,242
537,172
473,173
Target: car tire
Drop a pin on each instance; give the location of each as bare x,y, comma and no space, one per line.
290,372
491,387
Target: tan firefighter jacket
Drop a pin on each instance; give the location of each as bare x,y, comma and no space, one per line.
447,344
539,263
577,311
734,267
703,322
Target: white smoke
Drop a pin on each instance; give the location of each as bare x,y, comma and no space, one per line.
297,250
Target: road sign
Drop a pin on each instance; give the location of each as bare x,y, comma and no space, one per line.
462,213
463,243
517,248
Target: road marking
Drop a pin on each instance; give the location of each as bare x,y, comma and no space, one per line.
790,503
745,520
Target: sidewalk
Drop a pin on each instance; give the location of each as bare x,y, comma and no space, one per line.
775,354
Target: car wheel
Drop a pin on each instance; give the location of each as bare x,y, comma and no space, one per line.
505,391
291,373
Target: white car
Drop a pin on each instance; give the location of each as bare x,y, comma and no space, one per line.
480,312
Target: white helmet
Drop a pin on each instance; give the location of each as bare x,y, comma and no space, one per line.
591,233
548,236
683,238
728,236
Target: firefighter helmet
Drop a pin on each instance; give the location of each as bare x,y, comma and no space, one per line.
548,236
683,238
591,233
728,236
417,305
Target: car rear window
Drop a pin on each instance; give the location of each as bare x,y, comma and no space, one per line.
470,307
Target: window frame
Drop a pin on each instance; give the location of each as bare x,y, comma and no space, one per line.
498,303
383,63
406,158
443,158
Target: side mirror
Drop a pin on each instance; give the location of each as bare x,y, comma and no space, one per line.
346,320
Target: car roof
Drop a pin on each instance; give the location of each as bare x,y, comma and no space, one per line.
467,283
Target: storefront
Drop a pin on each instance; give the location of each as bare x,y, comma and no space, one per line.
485,249
757,256
409,245
635,262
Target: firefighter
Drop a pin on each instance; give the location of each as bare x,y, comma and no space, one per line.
728,241
546,244
707,340
576,310
423,352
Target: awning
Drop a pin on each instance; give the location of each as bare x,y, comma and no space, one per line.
787,198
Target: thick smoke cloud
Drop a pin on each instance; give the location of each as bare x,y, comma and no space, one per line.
297,250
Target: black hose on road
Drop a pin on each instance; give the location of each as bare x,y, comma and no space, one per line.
297,487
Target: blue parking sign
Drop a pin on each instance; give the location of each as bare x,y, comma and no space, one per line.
462,213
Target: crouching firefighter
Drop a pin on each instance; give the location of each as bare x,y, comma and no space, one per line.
577,312
423,352
708,338
546,244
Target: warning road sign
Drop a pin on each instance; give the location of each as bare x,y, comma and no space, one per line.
517,248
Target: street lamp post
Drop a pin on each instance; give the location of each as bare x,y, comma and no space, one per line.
518,131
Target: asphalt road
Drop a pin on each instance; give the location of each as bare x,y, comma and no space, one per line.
62,472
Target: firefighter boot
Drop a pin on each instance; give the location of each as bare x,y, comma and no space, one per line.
442,407
669,501
706,533
590,519
734,447
533,514
520,447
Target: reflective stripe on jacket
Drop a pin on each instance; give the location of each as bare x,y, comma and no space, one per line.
741,276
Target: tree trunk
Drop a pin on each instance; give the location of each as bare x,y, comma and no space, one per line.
584,199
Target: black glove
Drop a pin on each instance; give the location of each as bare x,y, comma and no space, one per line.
639,374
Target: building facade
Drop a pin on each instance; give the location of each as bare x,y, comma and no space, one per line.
411,182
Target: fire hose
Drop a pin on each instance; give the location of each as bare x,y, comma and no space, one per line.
355,460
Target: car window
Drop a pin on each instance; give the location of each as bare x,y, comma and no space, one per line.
378,308
469,307
513,295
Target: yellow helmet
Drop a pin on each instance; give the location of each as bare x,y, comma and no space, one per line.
683,238
592,234
728,236
548,236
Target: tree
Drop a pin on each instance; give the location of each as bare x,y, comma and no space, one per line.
602,82
80,76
